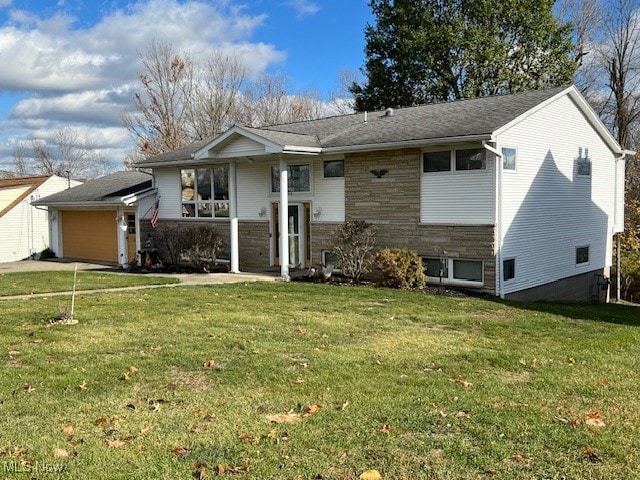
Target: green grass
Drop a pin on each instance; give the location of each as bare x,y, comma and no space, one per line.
25,283
412,385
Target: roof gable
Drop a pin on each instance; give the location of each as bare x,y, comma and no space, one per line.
15,190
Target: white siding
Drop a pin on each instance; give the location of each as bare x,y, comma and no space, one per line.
546,209
241,147
465,197
24,230
328,198
254,181
168,183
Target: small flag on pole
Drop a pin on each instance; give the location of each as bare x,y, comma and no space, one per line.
155,210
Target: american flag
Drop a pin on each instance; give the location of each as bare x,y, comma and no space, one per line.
155,210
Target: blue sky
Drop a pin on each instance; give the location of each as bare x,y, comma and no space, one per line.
74,62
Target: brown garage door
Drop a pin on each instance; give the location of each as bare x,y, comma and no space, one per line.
90,235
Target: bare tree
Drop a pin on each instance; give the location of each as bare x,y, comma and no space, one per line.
66,154
160,123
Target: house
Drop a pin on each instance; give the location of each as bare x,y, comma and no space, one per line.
24,228
98,220
516,195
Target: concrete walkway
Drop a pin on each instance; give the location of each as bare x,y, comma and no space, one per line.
184,278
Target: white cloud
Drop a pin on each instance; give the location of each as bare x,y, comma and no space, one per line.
303,7
85,75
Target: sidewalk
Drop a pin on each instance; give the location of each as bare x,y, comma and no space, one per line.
184,278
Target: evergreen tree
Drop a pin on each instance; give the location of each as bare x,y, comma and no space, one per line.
420,51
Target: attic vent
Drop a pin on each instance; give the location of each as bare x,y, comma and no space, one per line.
388,112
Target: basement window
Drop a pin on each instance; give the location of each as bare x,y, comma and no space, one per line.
509,269
449,271
582,255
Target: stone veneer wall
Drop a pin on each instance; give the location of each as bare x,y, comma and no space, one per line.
392,203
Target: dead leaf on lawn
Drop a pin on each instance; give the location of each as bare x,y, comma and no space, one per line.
291,418
133,369
146,429
312,409
462,382
386,428
193,429
520,458
180,451
301,331
38,341
370,475
249,438
209,363
115,443
68,430
590,454
101,422
298,381
60,453
83,385
462,414
594,419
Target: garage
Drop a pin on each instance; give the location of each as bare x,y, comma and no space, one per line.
90,235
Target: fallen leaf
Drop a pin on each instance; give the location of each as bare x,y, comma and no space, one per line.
594,419
298,381
209,363
60,453
343,457
370,475
38,341
115,443
200,472
125,376
68,430
192,428
590,454
133,369
102,421
180,451
301,331
83,385
208,418
386,428
144,430
311,409
462,414
520,458
462,382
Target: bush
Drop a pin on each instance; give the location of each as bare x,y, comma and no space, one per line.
47,253
353,243
400,268
200,245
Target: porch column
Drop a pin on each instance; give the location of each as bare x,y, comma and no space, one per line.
234,266
284,224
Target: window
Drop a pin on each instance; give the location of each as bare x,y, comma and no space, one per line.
436,267
582,255
330,258
469,270
205,192
509,269
508,158
583,166
334,168
474,159
436,161
298,178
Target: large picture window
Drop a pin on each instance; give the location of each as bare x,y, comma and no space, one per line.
436,161
298,178
205,192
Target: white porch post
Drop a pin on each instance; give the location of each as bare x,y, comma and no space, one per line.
284,225
234,266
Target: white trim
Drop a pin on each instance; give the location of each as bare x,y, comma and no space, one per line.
135,197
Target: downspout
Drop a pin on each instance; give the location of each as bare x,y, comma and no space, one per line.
497,215
615,213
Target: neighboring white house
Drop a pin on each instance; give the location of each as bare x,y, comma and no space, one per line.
24,228
516,195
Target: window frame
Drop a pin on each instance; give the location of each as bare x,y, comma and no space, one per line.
190,209
515,159
449,279
276,168
424,161
484,159
453,161
588,260
504,269
324,168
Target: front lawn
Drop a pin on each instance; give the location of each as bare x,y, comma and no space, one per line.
25,283
299,381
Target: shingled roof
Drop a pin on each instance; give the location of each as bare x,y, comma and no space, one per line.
438,121
104,190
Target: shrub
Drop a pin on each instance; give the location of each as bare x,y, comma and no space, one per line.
200,244
353,243
400,268
47,253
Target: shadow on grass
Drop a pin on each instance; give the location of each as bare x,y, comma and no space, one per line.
620,314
